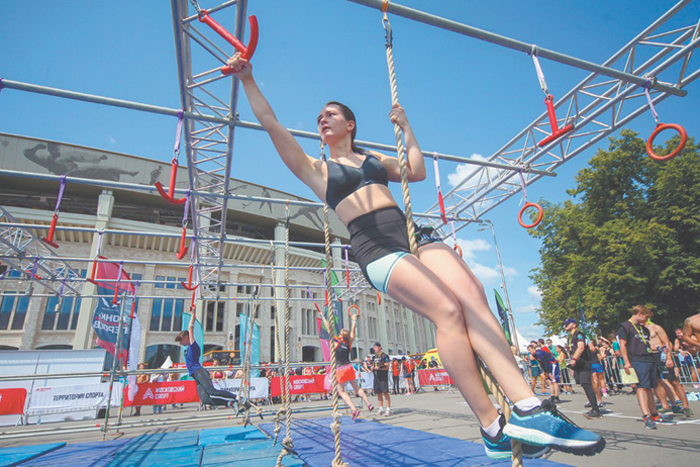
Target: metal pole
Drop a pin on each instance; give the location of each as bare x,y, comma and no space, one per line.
115,363
514,337
27,87
520,46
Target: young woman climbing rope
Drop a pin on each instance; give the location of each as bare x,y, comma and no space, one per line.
433,282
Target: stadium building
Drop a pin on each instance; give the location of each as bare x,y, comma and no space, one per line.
32,318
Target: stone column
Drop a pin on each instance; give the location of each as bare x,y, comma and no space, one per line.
279,292
32,321
83,330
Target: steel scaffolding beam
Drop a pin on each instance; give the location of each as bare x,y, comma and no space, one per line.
602,103
24,252
209,146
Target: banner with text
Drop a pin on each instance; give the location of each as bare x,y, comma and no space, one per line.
66,398
434,377
310,384
259,387
170,392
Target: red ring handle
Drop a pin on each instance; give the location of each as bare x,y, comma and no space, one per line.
659,128
351,307
539,217
379,298
458,249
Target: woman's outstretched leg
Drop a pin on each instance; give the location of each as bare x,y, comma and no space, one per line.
485,333
531,421
417,288
361,394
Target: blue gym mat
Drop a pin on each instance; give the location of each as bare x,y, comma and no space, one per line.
97,454
13,456
371,444
235,446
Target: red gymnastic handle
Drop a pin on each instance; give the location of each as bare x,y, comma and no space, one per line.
247,52
170,195
188,286
556,132
52,231
183,242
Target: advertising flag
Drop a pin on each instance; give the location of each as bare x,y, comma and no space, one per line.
503,315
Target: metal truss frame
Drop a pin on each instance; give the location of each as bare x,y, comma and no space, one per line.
23,251
603,102
597,107
209,145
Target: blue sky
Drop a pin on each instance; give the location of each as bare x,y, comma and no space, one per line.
462,96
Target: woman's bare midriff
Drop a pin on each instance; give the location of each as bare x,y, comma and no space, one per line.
366,199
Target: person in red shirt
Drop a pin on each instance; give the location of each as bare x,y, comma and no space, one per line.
408,369
395,372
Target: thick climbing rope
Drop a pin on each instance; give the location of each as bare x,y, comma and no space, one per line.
490,382
401,150
335,425
287,443
517,447
245,383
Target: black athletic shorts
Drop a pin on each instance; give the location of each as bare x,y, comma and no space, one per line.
582,375
377,234
381,382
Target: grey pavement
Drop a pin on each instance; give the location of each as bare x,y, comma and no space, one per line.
440,412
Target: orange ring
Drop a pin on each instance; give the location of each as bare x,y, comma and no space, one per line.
659,128
379,298
351,307
458,249
539,217
385,6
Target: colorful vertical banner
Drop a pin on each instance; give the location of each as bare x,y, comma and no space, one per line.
113,282
254,343
503,315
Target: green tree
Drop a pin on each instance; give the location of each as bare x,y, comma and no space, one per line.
630,235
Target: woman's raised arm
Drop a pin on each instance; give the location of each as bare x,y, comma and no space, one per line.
306,168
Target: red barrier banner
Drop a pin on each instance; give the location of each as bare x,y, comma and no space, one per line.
171,392
310,384
12,401
434,377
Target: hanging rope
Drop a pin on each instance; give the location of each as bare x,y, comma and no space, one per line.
335,425
246,405
287,443
401,150
493,387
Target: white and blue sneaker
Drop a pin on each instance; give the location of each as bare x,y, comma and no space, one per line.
499,447
546,426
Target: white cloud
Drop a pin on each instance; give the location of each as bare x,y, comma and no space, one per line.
463,171
111,140
535,293
509,271
526,309
531,331
469,247
484,273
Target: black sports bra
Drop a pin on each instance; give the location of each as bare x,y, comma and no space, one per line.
344,180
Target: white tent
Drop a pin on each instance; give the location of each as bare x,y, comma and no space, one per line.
523,341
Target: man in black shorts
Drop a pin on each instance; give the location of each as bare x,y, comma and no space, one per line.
580,362
380,366
636,353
